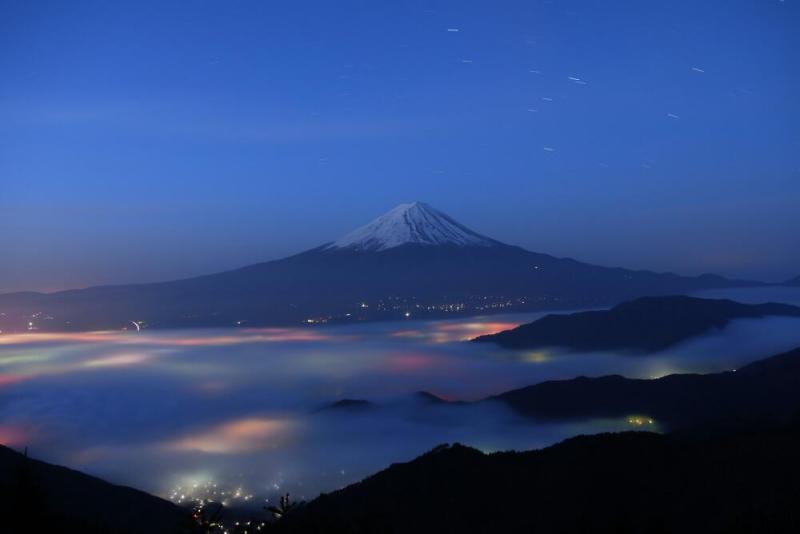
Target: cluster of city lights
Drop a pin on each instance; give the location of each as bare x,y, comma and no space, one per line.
637,420
221,509
408,307
205,492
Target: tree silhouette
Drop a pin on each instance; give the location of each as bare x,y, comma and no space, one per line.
284,507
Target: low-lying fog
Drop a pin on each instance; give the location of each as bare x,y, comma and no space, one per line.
163,411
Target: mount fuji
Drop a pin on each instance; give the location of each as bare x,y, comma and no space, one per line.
414,261
411,224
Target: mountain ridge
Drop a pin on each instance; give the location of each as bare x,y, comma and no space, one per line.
436,274
629,482
766,389
646,324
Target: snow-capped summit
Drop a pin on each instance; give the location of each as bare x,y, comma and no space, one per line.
412,223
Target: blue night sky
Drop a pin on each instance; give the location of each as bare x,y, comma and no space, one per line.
143,141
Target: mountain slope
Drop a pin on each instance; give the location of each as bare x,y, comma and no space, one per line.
766,390
42,497
414,259
632,482
645,324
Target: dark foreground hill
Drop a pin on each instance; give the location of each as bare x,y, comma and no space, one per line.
645,324
631,482
39,497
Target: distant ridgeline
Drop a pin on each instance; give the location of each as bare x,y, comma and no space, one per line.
646,324
766,391
412,262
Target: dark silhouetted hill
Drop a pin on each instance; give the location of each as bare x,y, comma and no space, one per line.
627,483
40,497
765,391
645,324
348,405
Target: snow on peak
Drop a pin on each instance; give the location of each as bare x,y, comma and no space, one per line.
412,223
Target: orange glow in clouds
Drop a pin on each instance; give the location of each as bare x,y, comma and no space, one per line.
40,337
118,360
242,435
471,330
250,335
263,335
409,363
6,380
450,332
